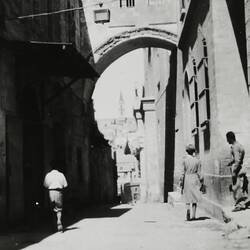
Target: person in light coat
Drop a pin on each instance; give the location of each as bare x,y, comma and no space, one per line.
191,181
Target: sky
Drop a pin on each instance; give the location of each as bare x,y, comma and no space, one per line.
122,76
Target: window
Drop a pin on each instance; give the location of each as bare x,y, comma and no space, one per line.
192,90
127,3
203,108
182,4
195,117
194,104
203,84
196,142
149,55
203,89
182,10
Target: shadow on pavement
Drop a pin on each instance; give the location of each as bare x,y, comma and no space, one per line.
201,218
70,228
25,235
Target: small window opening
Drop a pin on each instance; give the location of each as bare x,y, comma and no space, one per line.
127,3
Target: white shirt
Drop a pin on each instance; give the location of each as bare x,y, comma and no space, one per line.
55,180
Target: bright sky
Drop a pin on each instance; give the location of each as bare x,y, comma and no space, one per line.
122,76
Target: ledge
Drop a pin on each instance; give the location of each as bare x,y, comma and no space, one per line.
148,104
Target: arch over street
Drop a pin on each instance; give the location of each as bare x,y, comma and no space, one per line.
127,41
156,188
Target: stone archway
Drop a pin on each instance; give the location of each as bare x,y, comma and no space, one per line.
130,40
117,46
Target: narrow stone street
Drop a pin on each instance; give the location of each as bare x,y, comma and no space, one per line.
143,226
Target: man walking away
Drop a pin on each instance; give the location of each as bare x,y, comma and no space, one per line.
56,182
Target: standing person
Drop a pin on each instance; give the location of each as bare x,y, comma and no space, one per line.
191,181
238,153
56,182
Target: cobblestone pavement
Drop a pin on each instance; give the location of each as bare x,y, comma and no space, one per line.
143,226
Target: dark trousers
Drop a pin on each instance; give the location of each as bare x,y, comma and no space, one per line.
235,172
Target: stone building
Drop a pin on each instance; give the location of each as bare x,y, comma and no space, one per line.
199,101
123,138
156,115
195,94
45,110
103,171
132,25
212,89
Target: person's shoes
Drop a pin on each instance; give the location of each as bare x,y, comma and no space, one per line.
188,215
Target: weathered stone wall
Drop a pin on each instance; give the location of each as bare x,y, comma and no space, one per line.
11,196
35,130
161,16
159,122
103,174
209,31
67,27
68,113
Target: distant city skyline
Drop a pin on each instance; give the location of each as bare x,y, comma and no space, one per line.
121,77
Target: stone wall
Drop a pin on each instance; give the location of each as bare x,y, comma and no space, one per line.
212,88
67,27
161,16
103,171
41,120
159,123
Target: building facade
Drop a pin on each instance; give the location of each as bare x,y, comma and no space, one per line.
132,25
124,140
155,115
194,95
45,110
212,90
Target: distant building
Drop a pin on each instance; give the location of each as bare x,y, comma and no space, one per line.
121,105
122,136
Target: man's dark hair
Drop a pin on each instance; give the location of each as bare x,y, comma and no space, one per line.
190,149
230,135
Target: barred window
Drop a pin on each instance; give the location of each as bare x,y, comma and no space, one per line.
203,83
203,90
127,3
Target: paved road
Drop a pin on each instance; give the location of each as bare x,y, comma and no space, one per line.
143,226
